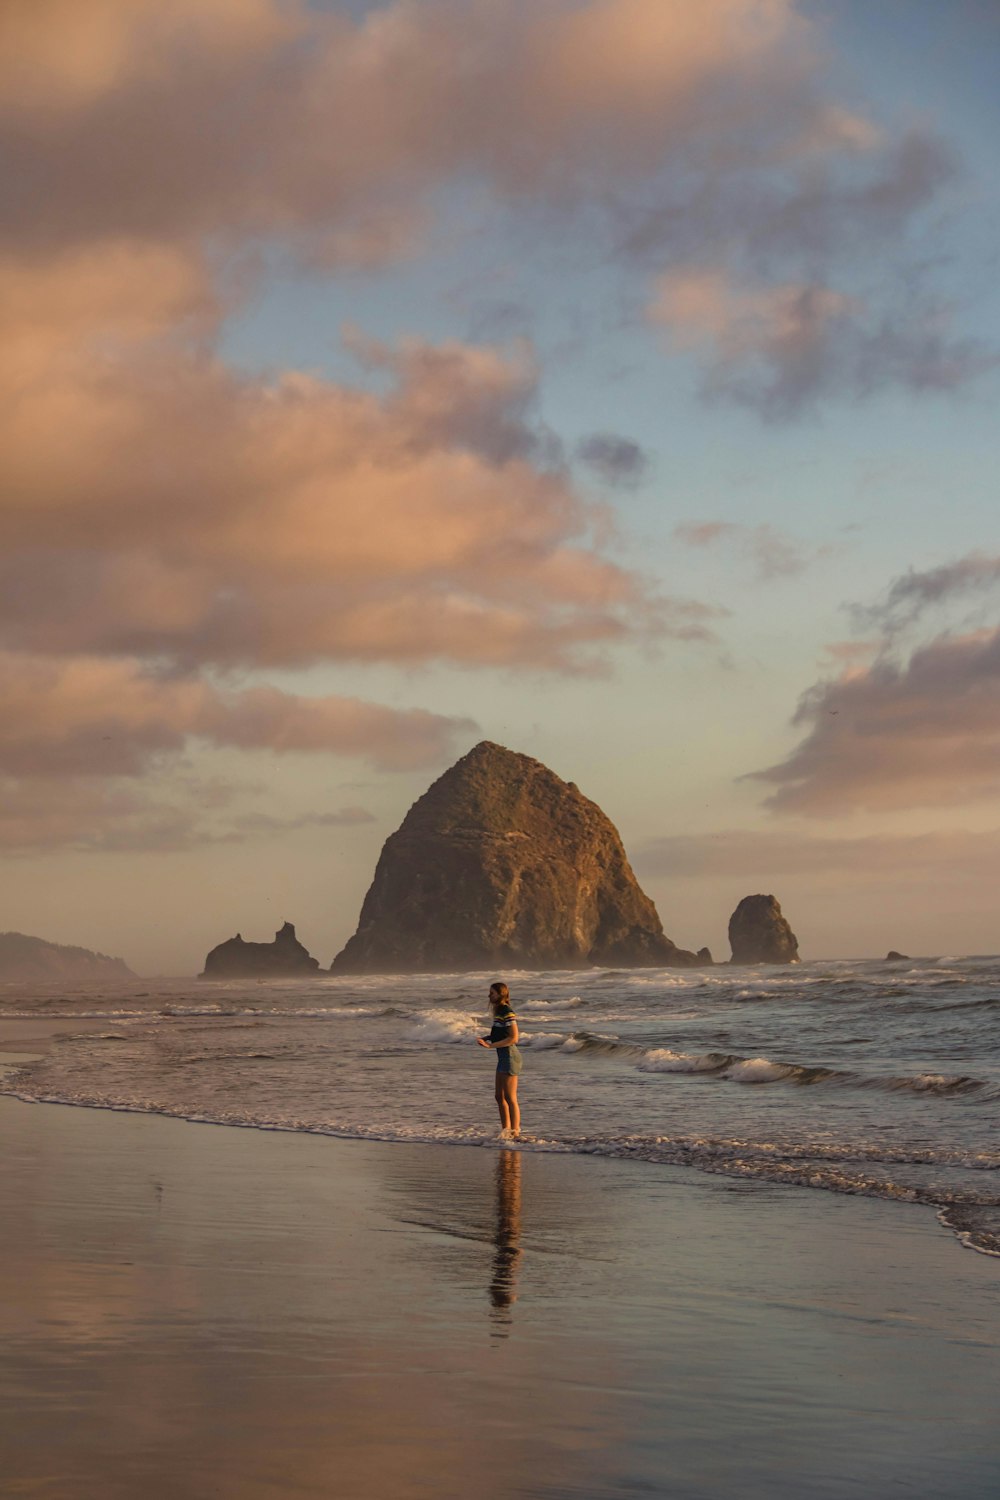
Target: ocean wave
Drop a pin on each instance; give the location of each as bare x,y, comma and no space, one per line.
663,1060
763,1070
444,1026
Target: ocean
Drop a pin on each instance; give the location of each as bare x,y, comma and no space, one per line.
851,1077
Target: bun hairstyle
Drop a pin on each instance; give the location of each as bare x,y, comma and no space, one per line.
499,993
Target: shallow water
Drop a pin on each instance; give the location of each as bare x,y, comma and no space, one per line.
244,1315
868,1078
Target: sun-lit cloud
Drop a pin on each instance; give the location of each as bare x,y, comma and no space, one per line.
764,346
900,726
93,716
841,196
175,530
185,511
301,120
920,732
96,753
778,349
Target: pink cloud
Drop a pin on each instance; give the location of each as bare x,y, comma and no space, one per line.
891,735
94,753
306,122
183,511
777,349
92,716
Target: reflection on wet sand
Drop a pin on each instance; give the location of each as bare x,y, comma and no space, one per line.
503,1286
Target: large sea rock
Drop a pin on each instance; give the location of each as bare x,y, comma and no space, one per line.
235,959
24,958
500,865
759,934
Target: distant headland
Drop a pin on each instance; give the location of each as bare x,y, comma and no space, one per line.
24,959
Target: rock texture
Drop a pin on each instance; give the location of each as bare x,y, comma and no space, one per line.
759,934
236,959
25,958
501,864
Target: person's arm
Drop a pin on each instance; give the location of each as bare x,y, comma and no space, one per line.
510,1040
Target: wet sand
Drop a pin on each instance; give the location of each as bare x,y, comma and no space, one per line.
202,1311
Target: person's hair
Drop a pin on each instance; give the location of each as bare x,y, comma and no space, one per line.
499,993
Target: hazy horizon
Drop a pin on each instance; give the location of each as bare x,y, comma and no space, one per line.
613,379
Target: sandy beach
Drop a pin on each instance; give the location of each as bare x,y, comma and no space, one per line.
205,1311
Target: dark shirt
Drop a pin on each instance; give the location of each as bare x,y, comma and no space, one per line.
501,1028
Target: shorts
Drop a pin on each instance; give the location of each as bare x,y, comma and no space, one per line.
509,1061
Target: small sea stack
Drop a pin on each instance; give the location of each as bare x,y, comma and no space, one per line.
500,864
892,957
759,934
284,958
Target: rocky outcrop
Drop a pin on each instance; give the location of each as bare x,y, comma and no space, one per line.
23,959
285,957
759,934
501,864
892,957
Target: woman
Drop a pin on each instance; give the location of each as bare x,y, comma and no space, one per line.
503,1039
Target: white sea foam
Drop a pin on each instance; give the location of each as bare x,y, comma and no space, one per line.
444,1026
663,1060
543,1041
758,1070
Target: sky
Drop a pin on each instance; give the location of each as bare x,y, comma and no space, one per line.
612,379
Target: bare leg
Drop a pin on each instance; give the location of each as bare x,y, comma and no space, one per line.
500,1095
510,1099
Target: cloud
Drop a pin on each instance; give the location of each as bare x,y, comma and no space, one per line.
91,716
305,122
842,193
193,522
765,347
94,753
166,814
921,732
915,592
778,349
710,131
759,856
773,554
615,460
183,511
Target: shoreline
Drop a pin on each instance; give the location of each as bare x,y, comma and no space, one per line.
10,1059
313,1313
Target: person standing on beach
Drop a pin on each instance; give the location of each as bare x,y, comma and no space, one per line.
503,1039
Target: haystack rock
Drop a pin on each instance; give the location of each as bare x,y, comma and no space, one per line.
759,934
285,957
31,958
501,864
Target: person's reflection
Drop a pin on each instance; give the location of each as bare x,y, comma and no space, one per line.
503,1286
